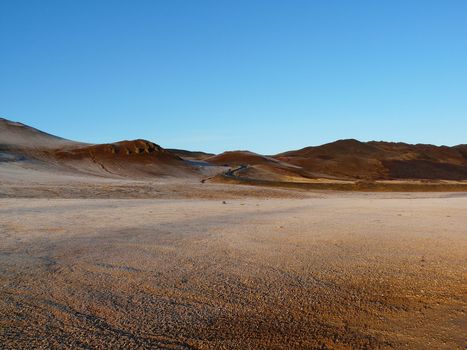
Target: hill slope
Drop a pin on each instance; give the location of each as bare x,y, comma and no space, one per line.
21,145
352,159
27,147
17,136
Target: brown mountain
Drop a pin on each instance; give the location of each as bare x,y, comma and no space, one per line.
352,159
257,166
137,158
190,155
125,158
339,160
237,158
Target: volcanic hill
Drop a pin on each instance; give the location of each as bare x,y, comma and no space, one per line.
137,158
342,160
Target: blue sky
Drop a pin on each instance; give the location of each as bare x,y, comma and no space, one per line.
218,75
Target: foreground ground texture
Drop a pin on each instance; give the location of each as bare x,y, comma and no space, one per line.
327,271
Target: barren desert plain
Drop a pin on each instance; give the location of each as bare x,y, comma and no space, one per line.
99,251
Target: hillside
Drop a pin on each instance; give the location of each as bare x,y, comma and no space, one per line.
348,160
352,159
25,147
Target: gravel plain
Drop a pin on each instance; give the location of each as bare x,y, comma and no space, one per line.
271,270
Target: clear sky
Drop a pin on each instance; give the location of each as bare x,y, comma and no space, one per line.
218,75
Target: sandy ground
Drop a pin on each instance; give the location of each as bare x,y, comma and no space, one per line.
297,271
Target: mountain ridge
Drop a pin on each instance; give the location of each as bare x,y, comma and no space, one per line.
345,159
